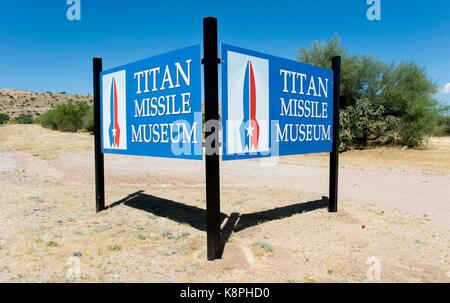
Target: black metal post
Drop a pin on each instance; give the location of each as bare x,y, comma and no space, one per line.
211,84
334,155
99,162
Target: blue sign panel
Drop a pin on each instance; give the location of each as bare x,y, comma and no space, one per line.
153,107
273,106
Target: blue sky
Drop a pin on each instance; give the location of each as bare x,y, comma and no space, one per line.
41,50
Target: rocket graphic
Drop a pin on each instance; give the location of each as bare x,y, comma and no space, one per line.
114,129
249,128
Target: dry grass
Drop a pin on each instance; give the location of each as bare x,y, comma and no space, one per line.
295,248
41,142
48,218
49,145
434,157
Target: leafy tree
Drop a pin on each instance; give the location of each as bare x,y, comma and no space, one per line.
408,94
320,53
404,91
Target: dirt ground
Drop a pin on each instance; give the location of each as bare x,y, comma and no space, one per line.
393,221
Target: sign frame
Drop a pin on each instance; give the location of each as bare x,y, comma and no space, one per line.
271,96
192,119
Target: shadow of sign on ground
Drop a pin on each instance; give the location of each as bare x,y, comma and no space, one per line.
196,217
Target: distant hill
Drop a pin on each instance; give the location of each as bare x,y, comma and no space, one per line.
15,102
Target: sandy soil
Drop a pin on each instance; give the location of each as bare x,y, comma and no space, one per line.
394,206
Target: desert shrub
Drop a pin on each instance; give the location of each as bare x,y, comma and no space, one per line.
24,119
114,247
404,91
70,117
88,121
442,126
4,117
264,245
365,124
442,122
52,244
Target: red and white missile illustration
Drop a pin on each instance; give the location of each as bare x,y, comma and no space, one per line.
249,128
114,128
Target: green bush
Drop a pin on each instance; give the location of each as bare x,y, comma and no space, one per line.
443,126
4,117
442,121
69,117
88,121
24,119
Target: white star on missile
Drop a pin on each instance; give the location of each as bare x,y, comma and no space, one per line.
114,132
250,130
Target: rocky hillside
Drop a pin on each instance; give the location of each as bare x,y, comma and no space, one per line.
15,102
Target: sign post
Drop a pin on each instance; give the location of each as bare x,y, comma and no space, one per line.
211,85
99,161
271,106
334,155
